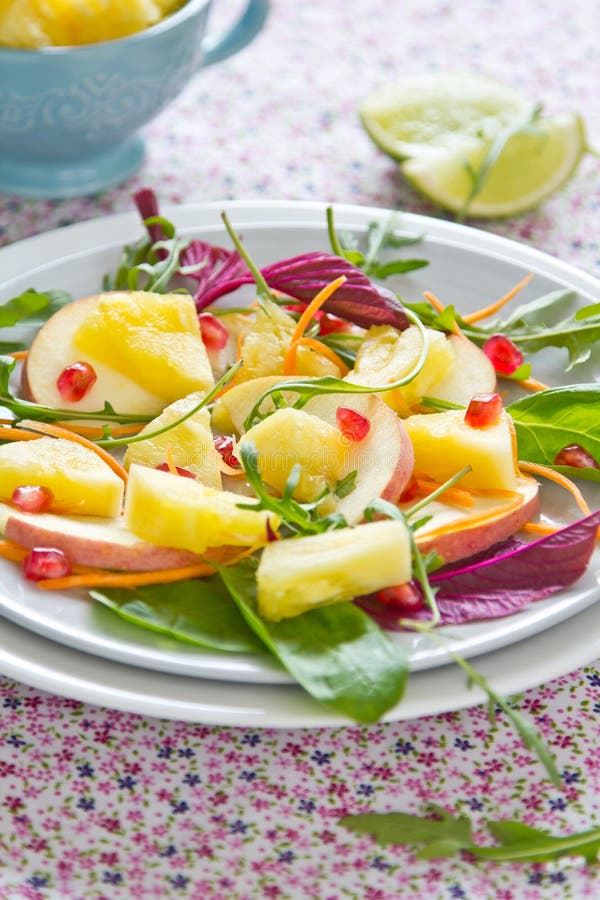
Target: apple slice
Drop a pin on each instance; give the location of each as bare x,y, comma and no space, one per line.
383,460
456,533
91,541
470,373
80,481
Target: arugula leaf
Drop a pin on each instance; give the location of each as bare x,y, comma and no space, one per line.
336,653
446,835
380,235
22,307
550,420
198,612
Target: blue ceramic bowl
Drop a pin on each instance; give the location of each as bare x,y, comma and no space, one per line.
70,117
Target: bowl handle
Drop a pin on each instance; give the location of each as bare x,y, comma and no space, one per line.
225,43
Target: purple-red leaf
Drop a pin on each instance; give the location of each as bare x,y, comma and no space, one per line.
501,582
302,277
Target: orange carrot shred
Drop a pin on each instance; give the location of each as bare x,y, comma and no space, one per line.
289,363
487,311
532,384
439,307
19,354
539,528
327,352
170,460
102,578
451,495
557,478
15,434
57,432
93,431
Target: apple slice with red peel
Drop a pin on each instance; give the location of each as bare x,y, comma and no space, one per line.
91,541
456,533
53,348
383,459
471,373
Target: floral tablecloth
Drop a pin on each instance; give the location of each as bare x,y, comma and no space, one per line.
97,803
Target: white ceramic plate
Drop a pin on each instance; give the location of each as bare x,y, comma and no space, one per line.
467,268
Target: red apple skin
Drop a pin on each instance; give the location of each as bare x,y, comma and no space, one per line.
460,544
104,543
384,459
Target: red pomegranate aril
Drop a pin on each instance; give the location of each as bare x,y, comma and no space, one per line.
214,334
483,409
330,323
185,473
352,424
503,354
45,562
75,381
576,456
407,597
224,446
32,498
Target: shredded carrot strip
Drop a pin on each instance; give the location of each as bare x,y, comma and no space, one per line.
19,354
439,307
14,434
170,461
558,478
487,311
102,578
289,363
92,431
532,384
325,351
57,432
451,495
12,551
539,528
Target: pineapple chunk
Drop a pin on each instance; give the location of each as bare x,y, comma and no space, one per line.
232,408
173,511
81,482
153,339
265,346
444,444
387,354
190,442
299,574
292,436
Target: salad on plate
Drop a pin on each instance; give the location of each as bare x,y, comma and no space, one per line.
300,476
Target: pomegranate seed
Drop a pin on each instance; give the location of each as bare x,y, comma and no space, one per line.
45,562
576,456
483,409
408,597
410,491
185,473
224,445
75,381
214,334
503,355
330,323
32,498
352,424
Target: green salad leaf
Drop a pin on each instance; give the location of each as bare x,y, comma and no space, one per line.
336,653
198,611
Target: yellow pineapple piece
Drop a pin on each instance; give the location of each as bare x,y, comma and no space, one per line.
81,482
31,24
292,436
443,444
231,410
174,511
190,443
387,354
264,347
299,574
153,339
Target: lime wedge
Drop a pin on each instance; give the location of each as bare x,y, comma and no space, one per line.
433,112
531,165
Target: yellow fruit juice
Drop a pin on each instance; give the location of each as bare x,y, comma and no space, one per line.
32,24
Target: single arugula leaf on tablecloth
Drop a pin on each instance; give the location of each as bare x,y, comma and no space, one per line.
551,420
336,653
199,612
446,835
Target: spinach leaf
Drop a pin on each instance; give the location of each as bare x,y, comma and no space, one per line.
199,612
547,422
336,653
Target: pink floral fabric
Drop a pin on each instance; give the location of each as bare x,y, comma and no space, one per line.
97,804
